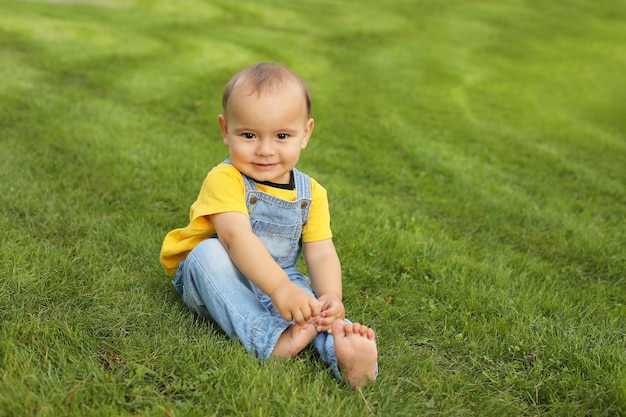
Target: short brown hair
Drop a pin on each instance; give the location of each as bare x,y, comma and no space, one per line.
266,76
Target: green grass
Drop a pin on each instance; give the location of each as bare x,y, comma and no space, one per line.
473,153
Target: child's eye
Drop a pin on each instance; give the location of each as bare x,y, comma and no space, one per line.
248,135
282,136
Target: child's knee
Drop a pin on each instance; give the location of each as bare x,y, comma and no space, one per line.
209,257
209,249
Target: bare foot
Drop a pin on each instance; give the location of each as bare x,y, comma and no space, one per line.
355,347
293,340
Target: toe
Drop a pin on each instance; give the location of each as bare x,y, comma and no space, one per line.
338,329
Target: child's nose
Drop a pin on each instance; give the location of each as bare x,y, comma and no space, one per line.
265,147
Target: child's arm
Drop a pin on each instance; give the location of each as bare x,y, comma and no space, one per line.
325,272
254,261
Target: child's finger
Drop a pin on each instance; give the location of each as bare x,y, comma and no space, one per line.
315,307
331,311
299,318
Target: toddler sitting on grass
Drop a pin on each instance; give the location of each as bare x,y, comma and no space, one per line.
235,262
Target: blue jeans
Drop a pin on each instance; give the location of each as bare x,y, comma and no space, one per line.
212,286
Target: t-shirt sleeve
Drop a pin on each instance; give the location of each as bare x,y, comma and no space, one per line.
222,191
317,226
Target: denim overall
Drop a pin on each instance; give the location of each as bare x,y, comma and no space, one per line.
212,286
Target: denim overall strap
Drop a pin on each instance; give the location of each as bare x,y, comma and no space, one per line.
303,192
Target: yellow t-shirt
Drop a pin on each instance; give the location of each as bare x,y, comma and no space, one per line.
223,190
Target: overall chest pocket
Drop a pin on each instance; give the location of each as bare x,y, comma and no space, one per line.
281,241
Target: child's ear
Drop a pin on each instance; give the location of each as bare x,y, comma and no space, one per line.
221,120
308,130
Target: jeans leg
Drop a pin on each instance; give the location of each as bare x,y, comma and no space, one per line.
325,346
213,287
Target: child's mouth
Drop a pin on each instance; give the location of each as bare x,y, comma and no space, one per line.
264,166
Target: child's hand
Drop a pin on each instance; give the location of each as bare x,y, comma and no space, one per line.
332,309
293,303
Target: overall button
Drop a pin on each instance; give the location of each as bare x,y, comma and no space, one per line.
253,200
303,205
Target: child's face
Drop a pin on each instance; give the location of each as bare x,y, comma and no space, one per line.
265,132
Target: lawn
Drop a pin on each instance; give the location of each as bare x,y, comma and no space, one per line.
474,156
